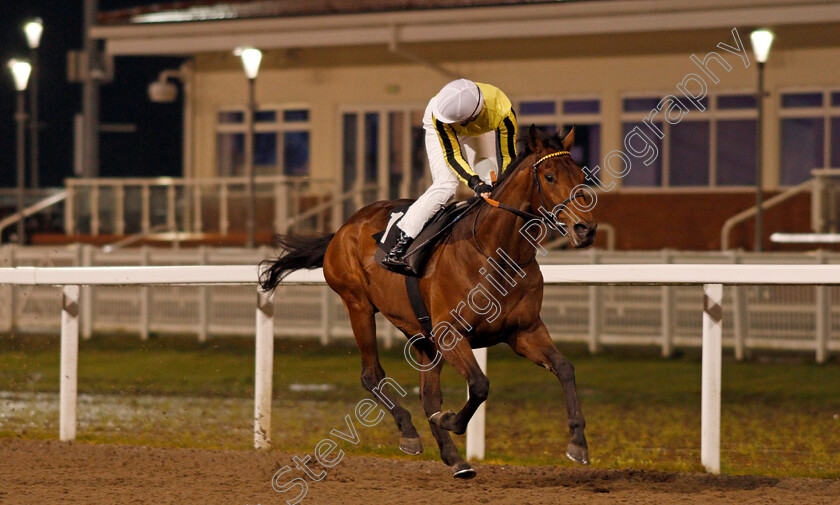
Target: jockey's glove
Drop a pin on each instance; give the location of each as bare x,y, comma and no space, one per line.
476,184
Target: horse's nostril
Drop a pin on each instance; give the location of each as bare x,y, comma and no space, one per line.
581,230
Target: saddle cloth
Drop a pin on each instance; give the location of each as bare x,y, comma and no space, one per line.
438,228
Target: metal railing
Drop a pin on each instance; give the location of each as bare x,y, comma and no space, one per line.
825,206
335,207
40,206
123,206
8,196
766,204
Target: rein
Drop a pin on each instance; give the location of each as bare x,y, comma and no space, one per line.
528,216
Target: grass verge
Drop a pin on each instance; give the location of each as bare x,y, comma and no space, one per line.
781,416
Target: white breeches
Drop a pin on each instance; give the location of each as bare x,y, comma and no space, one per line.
479,152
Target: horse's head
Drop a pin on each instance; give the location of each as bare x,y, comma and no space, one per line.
559,187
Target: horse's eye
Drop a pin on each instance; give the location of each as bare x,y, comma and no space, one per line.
549,177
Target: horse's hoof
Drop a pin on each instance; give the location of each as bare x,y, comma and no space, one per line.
578,454
462,470
437,417
411,446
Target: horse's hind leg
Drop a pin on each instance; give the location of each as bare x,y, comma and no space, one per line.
432,398
364,330
536,345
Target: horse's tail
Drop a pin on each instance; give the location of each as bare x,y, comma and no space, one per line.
300,252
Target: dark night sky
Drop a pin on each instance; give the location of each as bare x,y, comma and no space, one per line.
155,149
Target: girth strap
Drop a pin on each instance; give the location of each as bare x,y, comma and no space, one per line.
412,285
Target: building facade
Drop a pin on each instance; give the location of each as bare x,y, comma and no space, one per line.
671,84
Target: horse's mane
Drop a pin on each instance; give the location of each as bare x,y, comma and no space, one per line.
549,140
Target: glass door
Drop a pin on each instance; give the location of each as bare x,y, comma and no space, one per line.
383,155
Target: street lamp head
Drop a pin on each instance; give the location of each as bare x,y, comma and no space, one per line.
20,71
761,41
162,91
33,30
250,60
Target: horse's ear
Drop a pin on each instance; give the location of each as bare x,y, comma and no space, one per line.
534,140
569,139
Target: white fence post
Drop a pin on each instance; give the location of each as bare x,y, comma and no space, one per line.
667,321
203,301
596,306
264,363
711,374
13,290
69,363
392,334
740,323
326,315
145,298
667,314
86,260
475,430
823,326
739,320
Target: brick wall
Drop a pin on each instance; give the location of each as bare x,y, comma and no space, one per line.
693,221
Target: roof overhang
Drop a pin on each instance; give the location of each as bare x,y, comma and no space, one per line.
475,24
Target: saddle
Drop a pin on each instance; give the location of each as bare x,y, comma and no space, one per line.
437,229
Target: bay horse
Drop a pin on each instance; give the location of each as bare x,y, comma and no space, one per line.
542,175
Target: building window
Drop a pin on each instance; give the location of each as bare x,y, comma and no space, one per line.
554,115
281,142
802,148
714,147
642,175
802,100
689,143
736,152
809,134
384,154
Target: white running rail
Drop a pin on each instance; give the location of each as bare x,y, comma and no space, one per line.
712,277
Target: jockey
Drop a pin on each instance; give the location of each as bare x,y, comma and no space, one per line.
469,118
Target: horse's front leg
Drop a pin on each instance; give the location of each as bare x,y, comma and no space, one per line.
461,357
432,399
536,345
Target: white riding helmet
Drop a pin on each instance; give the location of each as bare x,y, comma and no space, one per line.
458,101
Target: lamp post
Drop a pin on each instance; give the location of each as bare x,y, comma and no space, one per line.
761,41
33,30
251,59
20,71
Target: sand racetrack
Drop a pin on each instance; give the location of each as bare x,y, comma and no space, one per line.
39,472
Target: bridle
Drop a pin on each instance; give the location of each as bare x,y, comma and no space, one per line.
528,216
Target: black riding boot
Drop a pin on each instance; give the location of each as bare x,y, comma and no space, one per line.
395,256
